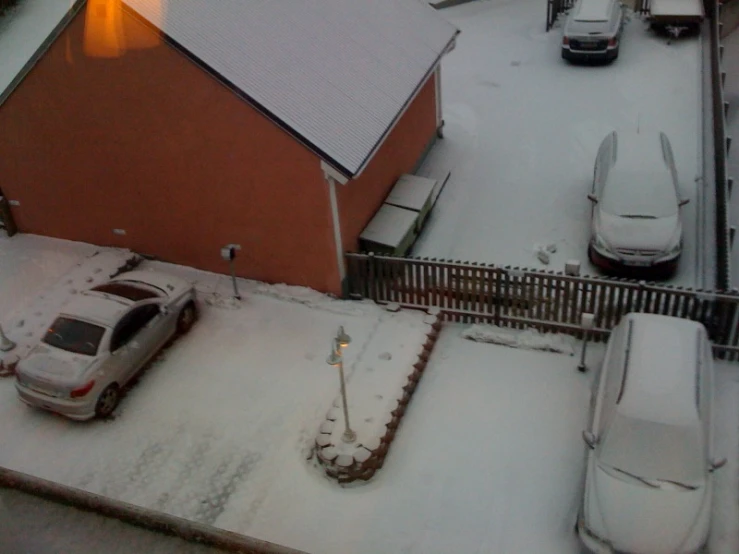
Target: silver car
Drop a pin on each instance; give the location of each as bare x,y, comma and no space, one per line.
636,220
101,339
649,469
593,30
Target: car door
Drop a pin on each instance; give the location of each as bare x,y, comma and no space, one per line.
131,341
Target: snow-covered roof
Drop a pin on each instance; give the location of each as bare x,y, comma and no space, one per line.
25,32
661,382
335,73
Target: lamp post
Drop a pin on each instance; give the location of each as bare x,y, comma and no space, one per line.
586,322
5,343
228,253
336,358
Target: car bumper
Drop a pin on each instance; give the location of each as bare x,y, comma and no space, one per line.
663,267
592,543
606,55
77,409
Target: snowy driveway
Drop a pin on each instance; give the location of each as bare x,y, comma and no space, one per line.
487,459
523,127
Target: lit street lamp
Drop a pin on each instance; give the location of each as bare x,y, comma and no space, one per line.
337,359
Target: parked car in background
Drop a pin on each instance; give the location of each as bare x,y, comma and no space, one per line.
101,339
636,221
592,31
648,480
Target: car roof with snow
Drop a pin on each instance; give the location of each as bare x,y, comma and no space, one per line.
661,381
640,181
165,283
593,11
97,307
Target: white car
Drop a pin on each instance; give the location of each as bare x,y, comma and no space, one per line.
101,339
592,31
636,221
648,479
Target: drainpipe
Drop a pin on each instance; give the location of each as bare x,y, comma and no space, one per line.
333,177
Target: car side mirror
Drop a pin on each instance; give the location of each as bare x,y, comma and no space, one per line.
590,439
683,201
717,463
593,198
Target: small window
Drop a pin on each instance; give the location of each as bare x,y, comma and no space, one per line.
125,290
74,335
131,324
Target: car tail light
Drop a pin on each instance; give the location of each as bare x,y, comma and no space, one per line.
82,391
565,41
612,41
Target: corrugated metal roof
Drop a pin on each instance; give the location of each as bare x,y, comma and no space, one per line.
336,72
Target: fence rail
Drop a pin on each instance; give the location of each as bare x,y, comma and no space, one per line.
549,301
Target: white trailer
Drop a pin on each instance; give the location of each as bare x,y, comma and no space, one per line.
676,15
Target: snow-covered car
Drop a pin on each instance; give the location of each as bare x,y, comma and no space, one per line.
636,221
593,30
648,477
101,339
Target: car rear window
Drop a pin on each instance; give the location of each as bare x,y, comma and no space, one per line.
654,450
74,335
125,290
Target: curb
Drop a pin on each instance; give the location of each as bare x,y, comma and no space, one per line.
368,457
441,4
140,517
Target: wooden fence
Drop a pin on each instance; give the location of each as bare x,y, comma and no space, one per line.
548,301
556,7
642,6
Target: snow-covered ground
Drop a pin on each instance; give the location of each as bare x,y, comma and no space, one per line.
523,127
487,459
23,29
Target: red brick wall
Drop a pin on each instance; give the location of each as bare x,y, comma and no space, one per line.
150,143
361,198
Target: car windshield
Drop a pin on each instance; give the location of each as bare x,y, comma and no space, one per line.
641,196
125,289
654,451
75,336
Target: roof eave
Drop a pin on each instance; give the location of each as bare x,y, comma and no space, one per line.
448,48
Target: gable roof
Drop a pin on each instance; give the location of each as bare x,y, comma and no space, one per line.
334,73
27,30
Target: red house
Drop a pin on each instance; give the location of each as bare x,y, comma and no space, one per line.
173,128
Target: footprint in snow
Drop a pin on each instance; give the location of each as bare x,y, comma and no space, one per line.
385,356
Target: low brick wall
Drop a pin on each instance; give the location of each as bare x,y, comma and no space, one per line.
366,458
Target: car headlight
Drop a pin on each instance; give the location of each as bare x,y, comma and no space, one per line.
600,243
674,249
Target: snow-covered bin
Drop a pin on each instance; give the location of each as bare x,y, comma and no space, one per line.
392,230
415,193
379,389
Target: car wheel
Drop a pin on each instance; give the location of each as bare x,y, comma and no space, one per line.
107,401
186,319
